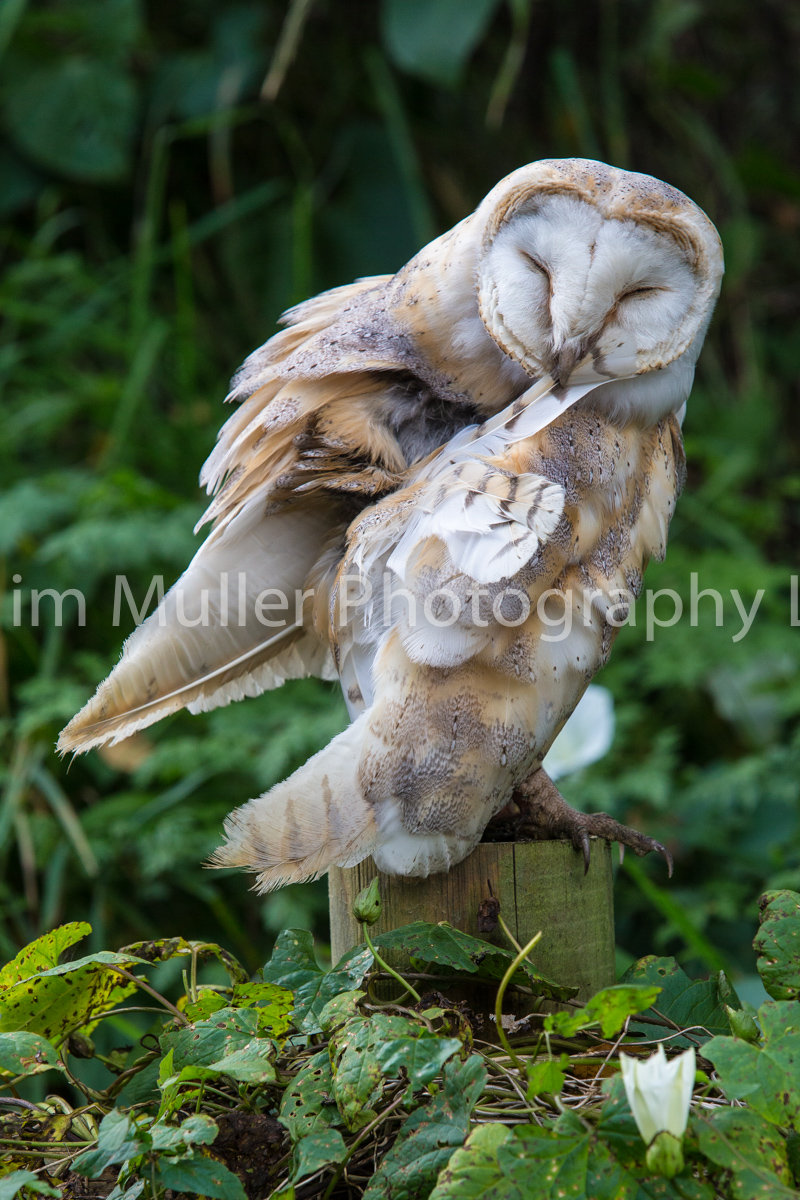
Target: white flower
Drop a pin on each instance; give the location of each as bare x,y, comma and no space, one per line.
587,735
659,1091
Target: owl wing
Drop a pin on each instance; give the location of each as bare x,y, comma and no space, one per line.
287,467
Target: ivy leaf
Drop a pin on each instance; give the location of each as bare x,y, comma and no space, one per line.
13,1183
63,998
421,1058
43,953
609,1009
743,1142
546,1076
119,1139
447,947
428,1137
778,944
318,1150
200,1176
308,1104
687,1002
251,1063
473,1170
766,1078
27,1054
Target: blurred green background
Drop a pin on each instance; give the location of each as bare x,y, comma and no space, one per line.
173,176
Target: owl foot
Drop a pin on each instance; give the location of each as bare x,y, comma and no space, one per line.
544,814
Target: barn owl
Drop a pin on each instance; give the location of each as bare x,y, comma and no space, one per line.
440,487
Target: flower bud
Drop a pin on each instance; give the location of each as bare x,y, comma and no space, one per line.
665,1155
367,904
742,1025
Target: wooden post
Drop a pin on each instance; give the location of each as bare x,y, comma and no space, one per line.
540,885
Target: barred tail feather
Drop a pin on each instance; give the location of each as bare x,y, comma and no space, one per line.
315,819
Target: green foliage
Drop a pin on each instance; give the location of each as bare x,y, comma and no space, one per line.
404,1100
778,944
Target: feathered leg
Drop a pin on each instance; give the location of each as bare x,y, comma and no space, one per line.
544,815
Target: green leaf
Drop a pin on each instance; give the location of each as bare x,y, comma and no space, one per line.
198,1130
308,1104
119,1140
778,944
27,1054
65,997
340,1010
446,947
609,1009
251,1063
200,1176
743,1142
768,1078
75,116
43,953
294,967
687,1002
543,1162
13,1183
357,1075
228,1042
421,1058
434,38
473,1170
428,1137
316,1151
163,949
546,1076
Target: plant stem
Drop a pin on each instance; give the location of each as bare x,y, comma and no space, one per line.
501,991
403,982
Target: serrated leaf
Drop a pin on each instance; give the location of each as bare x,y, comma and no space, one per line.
473,1170
200,1176
546,1076
743,1142
609,1009
687,1002
444,946
308,1104
778,944
119,1139
43,953
428,1138
27,1054
318,1150
768,1078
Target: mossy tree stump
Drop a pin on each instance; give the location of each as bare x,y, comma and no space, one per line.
540,885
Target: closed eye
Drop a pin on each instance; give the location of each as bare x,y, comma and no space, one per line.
534,262
641,291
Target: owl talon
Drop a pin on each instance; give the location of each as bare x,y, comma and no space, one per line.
545,814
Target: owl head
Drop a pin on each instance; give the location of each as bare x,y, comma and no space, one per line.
576,258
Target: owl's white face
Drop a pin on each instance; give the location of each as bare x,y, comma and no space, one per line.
570,281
